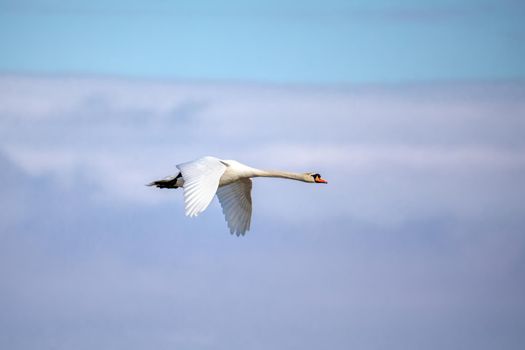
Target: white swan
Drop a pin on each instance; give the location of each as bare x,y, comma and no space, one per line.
230,180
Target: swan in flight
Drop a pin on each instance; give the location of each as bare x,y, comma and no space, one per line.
202,178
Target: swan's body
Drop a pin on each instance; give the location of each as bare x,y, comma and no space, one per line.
230,180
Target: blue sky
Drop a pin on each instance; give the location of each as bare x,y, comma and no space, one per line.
275,41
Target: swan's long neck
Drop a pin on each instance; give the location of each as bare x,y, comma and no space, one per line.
279,174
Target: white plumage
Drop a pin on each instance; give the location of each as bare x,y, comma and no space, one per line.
230,180
236,202
201,180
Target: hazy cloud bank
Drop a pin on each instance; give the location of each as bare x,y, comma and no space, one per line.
417,241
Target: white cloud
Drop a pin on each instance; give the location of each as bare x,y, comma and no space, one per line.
119,134
418,232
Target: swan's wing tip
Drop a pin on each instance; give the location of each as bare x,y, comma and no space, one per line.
239,233
236,203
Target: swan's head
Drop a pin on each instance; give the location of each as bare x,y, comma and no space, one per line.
315,178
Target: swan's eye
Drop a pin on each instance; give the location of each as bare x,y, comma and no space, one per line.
316,176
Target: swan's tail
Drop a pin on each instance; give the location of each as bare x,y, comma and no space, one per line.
169,182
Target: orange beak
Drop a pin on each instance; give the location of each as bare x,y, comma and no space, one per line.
321,181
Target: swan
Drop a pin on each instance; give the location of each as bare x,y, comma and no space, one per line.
202,178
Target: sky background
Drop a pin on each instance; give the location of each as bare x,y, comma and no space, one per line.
276,41
413,111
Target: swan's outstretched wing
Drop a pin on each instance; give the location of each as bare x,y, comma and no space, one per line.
236,202
201,180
